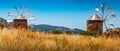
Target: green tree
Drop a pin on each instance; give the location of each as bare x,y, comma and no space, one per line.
57,32
68,32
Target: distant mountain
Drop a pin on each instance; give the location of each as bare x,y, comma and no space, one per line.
49,28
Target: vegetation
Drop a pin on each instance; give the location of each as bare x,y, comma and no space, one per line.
68,32
57,32
26,40
89,33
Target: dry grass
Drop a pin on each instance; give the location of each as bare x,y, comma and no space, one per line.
26,40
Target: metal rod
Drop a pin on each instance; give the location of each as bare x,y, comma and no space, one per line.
105,25
102,5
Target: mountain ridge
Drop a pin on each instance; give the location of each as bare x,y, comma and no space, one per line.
49,28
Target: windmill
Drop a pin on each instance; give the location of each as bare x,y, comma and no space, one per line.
105,15
20,19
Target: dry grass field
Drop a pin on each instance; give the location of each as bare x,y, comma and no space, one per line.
26,40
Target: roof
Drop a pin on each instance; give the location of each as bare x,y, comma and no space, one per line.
19,17
94,17
2,19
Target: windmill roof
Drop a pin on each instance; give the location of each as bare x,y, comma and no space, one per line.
94,17
20,17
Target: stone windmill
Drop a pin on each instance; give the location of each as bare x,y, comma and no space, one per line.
20,20
96,23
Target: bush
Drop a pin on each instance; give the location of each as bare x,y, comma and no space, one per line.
57,32
89,33
68,32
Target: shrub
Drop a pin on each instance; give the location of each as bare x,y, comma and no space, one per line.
68,32
89,33
57,32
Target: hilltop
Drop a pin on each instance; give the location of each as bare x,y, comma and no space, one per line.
49,28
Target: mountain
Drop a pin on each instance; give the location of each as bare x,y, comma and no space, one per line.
49,28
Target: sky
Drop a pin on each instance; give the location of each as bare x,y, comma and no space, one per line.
67,13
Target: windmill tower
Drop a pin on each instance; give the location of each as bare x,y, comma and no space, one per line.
96,23
20,21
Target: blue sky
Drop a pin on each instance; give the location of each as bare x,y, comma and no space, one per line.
67,13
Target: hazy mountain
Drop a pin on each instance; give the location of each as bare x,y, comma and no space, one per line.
49,28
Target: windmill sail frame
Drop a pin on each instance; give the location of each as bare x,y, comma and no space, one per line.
104,15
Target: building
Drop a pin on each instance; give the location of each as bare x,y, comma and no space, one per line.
95,24
112,32
20,22
3,23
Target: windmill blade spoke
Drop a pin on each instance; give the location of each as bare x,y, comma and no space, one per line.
98,11
105,25
111,24
22,9
107,20
28,12
102,6
10,14
109,9
16,9
113,15
105,16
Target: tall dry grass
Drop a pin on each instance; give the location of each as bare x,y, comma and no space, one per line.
26,40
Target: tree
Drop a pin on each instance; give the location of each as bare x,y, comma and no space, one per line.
57,32
68,32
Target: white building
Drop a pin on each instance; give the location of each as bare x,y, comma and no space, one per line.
3,23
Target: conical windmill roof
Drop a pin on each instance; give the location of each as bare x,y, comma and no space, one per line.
19,17
94,17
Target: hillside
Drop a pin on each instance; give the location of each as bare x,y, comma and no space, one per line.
49,28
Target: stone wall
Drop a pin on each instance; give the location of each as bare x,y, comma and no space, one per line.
95,26
112,32
20,23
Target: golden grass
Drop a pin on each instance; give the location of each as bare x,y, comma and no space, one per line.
26,40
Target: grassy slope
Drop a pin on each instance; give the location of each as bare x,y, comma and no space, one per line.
26,40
